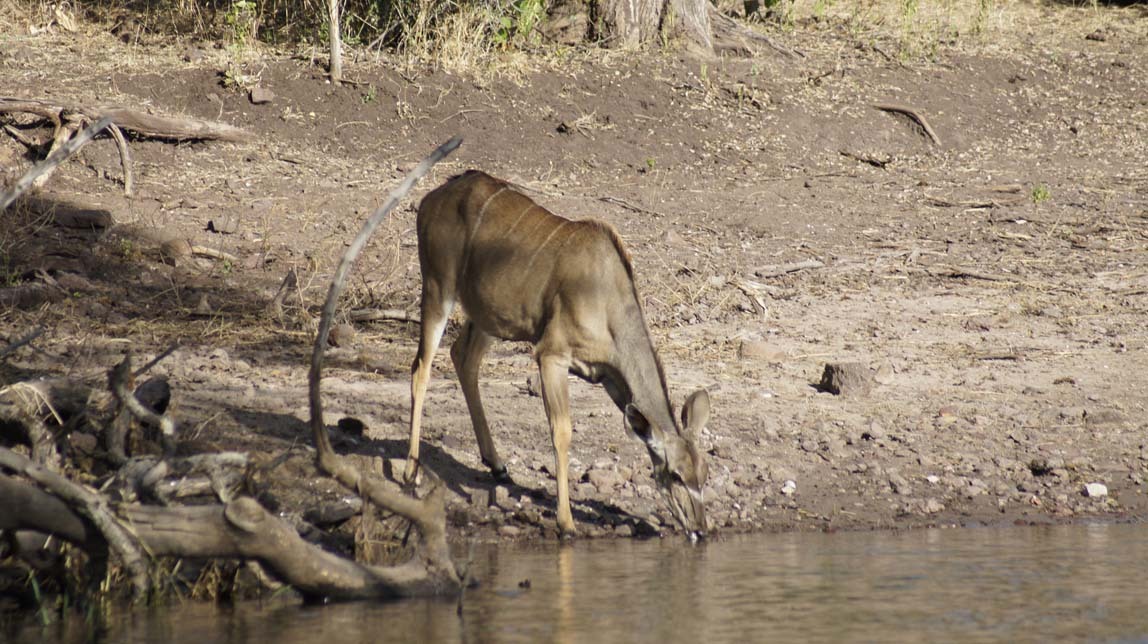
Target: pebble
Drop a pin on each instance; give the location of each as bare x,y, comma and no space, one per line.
1095,490
789,487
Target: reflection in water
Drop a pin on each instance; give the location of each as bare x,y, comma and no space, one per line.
1050,583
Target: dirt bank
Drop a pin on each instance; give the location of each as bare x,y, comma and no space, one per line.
996,283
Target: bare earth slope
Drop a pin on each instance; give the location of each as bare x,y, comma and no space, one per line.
996,284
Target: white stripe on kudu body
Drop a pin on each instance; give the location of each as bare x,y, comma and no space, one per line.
523,273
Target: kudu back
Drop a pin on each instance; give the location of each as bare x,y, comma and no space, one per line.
523,273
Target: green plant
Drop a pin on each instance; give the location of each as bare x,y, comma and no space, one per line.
371,95
519,22
984,7
1040,193
241,21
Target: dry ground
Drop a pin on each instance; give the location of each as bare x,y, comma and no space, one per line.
997,283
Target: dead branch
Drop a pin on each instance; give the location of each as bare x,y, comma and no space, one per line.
427,515
92,507
240,529
913,114
775,271
870,159
24,506
125,157
372,315
156,360
150,125
290,282
44,168
211,253
244,529
959,271
629,206
119,379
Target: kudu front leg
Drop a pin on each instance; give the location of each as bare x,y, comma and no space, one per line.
435,313
556,397
466,353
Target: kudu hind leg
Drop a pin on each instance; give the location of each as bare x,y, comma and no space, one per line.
435,313
467,353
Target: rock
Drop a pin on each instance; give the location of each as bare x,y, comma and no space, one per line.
933,506
194,55
261,95
509,531
1102,417
603,479
846,379
334,512
874,432
761,351
884,375
1095,490
500,497
789,488
351,426
175,252
624,530
341,335
203,306
899,484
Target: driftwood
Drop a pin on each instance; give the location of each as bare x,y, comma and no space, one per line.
90,506
45,168
240,527
150,125
427,515
68,119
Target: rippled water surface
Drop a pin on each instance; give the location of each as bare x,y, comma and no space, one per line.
1059,583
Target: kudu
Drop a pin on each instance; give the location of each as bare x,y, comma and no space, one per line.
522,273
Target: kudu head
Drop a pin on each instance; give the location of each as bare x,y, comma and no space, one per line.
679,469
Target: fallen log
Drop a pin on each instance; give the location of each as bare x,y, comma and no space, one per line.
178,128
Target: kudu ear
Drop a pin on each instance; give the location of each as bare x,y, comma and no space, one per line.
695,413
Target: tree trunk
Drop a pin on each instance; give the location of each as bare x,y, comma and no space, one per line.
627,24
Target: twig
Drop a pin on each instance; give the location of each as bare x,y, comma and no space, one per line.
917,117
206,251
56,158
630,206
867,158
289,283
957,271
156,360
125,157
775,271
19,136
21,341
118,379
371,315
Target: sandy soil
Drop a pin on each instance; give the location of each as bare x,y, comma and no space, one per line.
995,284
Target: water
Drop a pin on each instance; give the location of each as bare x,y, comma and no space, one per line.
1062,583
